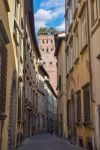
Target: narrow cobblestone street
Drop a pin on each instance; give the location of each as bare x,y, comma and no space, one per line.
47,142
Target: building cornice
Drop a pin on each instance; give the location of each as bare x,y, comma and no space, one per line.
32,28
51,88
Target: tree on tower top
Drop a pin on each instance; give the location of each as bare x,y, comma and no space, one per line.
47,31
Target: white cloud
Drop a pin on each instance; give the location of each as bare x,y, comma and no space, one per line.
53,4
42,17
61,27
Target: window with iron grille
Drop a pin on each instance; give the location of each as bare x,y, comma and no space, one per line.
3,75
78,107
86,97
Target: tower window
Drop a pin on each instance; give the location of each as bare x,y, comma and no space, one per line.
47,50
50,63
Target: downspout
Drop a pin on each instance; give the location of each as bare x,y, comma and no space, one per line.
91,79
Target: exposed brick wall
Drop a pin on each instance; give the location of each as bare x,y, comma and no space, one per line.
47,49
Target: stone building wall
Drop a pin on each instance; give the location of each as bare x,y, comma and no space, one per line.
47,49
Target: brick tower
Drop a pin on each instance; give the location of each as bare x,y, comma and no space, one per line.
47,49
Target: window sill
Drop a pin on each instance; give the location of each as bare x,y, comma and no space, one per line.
76,61
87,124
95,27
83,49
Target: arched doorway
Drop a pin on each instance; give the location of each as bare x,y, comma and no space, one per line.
12,115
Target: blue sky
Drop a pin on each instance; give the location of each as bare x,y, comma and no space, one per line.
49,13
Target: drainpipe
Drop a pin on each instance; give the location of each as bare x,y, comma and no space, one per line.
91,81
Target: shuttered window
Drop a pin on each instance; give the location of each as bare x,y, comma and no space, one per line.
78,107
3,75
86,97
99,118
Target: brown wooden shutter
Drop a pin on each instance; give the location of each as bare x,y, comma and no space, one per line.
3,75
78,107
86,97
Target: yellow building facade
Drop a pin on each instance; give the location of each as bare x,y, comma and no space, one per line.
22,96
61,87
80,104
13,76
5,77
17,36
94,34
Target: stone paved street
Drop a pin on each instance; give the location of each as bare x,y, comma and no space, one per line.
47,142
